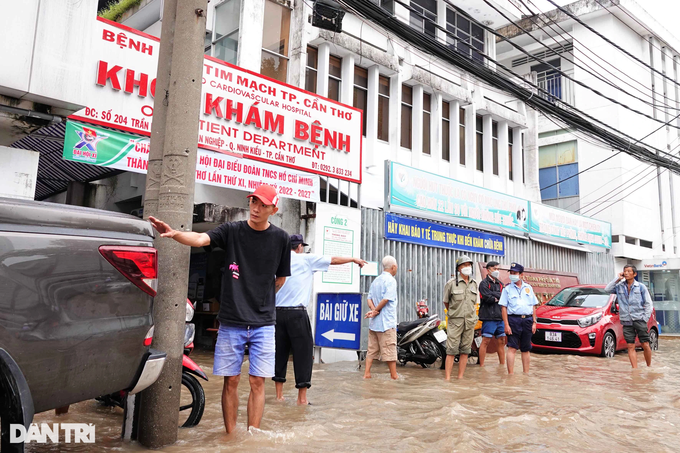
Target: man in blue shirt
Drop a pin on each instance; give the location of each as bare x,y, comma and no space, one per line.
635,309
382,329
518,308
293,329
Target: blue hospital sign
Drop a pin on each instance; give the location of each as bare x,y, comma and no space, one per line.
338,321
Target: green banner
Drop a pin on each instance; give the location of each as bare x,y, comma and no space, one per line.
104,147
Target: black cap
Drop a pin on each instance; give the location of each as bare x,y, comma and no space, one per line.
297,239
492,264
515,267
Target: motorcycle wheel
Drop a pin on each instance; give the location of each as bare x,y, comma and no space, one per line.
432,348
192,399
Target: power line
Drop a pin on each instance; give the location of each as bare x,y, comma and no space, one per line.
542,16
582,121
609,41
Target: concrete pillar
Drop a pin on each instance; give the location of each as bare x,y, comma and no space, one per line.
532,187
454,160
417,137
436,133
517,163
488,153
298,45
441,20
395,114
470,143
503,154
250,35
347,84
371,116
322,73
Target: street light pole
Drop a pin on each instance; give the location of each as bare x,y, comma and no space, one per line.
170,197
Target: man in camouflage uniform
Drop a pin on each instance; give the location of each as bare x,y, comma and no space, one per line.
461,294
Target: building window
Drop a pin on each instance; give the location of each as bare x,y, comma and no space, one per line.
427,102
406,115
557,163
446,130
275,34
510,143
643,243
494,146
615,238
461,136
361,92
312,68
424,18
224,45
334,77
480,143
384,108
630,240
465,35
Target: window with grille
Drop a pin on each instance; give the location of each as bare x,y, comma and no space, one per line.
465,35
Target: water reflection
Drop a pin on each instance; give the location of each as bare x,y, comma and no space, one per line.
567,403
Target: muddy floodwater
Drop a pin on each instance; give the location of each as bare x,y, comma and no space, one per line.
566,403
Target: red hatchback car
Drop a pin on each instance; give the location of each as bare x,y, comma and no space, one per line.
584,319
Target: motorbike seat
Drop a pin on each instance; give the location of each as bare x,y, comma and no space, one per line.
409,325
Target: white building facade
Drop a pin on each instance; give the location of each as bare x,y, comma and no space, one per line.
636,198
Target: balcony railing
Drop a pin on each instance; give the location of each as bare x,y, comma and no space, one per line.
554,86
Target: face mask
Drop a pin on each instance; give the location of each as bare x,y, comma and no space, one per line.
514,278
496,274
467,271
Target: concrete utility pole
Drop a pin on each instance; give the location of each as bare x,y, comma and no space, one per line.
170,196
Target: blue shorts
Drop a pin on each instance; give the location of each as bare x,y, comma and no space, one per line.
230,348
493,329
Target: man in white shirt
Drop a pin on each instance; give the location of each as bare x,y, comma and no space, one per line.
293,328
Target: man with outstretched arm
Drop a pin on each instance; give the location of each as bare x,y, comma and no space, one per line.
257,262
382,329
293,329
635,309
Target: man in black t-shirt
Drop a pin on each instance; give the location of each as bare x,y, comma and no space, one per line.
257,262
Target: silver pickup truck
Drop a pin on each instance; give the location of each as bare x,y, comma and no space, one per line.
76,295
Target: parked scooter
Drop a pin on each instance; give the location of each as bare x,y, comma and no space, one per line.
192,393
421,341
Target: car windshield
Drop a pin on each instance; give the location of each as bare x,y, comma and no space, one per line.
580,297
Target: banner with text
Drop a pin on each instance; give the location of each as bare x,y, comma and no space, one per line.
243,114
428,192
107,148
421,232
549,221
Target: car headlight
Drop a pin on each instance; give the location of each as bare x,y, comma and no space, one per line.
589,320
189,333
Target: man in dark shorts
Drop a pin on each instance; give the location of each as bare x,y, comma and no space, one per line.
635,309
257,262
518,304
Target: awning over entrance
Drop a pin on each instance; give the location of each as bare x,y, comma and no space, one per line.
54,173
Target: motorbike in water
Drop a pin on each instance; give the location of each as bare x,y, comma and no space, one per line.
192,397
421,341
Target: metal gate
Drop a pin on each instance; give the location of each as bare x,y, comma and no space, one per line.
423,271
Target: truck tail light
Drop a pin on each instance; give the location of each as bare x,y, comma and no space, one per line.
137,264
148,337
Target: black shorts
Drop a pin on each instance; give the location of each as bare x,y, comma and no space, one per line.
639,329
521,332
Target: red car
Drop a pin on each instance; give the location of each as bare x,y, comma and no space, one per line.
584,319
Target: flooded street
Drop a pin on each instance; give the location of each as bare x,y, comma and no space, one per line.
567,403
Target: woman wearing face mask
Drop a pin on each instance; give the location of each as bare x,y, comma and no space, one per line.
460,297
490,313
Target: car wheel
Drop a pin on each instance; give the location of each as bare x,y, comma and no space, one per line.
608,345
653,340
